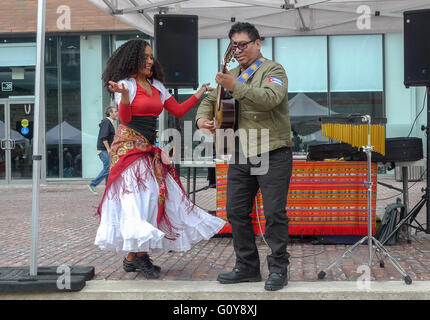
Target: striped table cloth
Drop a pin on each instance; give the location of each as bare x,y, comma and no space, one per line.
324,198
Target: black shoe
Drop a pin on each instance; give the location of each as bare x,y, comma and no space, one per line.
147,261
276,281
237,276
142,264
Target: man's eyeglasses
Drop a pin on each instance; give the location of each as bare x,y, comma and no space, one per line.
241,45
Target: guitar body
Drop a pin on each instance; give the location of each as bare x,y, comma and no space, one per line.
225,111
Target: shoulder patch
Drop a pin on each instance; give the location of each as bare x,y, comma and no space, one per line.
275,80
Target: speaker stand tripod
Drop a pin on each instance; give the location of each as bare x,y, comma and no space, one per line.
371,241
412,214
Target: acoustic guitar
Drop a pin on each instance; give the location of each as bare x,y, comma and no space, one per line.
224,109
224,114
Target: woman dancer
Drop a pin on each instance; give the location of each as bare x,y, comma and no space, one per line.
144,207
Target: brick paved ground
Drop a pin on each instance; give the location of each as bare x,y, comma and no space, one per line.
68,226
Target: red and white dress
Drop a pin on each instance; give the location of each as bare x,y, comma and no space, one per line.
144,207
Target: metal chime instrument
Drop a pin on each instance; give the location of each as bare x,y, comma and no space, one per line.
352,130
368,133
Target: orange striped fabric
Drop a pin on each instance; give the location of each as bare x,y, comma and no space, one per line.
324,198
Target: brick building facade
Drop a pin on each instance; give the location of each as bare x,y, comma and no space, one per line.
20,16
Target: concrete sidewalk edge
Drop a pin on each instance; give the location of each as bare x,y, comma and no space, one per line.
212,290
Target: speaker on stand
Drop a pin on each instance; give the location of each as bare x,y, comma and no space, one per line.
176,48
417,73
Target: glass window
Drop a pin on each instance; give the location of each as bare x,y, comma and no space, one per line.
208,61
266,48
357,102
2,136
208,64
356,81
17,81
71,107
356,63
18,54
51,108
356,75
106,53
305,61
305,111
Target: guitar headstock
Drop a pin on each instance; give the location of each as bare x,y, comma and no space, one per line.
229,54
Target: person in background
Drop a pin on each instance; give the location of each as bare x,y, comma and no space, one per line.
104,142
298,142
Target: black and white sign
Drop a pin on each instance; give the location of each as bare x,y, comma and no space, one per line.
6,86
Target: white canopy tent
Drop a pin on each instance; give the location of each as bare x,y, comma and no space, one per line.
315,138
271,17
303,107
65,133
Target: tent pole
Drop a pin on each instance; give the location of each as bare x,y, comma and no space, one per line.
38,107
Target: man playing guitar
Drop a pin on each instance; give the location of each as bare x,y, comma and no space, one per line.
259,87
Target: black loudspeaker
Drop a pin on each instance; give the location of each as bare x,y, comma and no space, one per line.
417,47
176,48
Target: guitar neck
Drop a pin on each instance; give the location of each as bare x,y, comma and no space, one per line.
218,98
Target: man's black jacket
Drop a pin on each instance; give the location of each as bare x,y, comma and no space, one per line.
106,132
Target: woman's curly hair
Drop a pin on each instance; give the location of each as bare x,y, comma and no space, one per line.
126,60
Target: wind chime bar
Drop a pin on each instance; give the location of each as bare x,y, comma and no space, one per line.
351,130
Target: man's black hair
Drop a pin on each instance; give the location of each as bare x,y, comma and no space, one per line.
244,27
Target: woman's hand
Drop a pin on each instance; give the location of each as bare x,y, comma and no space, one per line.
204,89
117,87
120,88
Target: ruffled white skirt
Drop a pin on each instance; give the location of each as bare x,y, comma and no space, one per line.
129,219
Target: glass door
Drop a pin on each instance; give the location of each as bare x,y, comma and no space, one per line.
21,138
3,141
